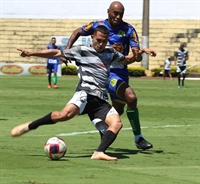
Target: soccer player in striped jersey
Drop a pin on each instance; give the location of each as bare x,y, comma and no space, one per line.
91,93
122,37
52,65
181,56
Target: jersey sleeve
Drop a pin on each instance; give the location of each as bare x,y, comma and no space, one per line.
117,57
133,37
72,54
88,29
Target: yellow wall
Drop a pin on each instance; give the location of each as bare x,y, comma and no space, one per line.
34,34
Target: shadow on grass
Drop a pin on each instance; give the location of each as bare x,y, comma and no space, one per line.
122,153
116,152
48,159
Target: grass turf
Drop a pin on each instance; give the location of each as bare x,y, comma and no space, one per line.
170,119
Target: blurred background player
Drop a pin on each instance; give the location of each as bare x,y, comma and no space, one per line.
52,65
181,56
167,68
122,37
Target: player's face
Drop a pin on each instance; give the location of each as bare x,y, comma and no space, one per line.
53,41
181,46
100,41
115,16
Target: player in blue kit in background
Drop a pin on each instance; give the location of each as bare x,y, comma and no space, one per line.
122,37
52,65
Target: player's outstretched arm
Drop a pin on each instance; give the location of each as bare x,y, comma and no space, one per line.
148,51
131,57
51,53
128,59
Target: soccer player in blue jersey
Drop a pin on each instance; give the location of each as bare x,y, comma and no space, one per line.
91,93
52,65
122,37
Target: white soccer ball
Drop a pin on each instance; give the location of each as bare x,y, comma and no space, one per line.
55,148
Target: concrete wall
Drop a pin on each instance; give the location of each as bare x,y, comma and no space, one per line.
34,34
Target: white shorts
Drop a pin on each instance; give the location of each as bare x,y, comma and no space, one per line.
181,69
96,108
79,99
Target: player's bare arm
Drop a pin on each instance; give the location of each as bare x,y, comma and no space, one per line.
131,57
74,36
148,51
52,53
187,57
128,59
135,51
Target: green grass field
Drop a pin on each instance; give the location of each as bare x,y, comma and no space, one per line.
170,119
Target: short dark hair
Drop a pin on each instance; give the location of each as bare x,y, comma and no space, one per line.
53,38
103,29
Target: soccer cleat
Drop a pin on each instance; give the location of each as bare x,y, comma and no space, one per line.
143,144
179,86
49,86
20,129
55,86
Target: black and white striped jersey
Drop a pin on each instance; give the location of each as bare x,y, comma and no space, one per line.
93,68
181,55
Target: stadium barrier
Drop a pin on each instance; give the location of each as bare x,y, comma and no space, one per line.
25,69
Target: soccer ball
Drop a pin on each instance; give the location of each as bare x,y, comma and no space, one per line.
55,148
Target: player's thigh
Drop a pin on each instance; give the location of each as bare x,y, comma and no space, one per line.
119,106
114,122
49,68
55,68
116,86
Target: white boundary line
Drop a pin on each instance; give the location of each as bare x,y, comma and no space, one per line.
95,131
190,78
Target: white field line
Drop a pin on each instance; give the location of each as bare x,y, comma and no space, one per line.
95,131
187,78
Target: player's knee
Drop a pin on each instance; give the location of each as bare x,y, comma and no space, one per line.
117,125
132,99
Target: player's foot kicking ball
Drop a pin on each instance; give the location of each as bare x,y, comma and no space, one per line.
20,129
102,156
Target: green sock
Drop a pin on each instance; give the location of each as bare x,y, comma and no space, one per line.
49,79
55,79
133,116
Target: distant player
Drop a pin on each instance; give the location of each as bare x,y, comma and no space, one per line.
52,65
181,57
167,68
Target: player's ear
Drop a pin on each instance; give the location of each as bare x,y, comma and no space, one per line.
92,36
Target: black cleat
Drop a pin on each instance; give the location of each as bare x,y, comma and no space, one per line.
143,144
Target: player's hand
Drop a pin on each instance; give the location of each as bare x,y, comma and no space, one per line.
64,60
149,51
24,53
